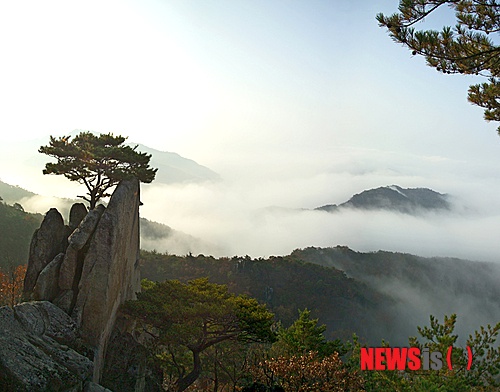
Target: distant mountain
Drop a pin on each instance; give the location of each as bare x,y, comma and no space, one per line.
11,194
395,198
173,168
162,238
420,286
286,284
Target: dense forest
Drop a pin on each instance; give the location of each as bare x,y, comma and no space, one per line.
287,285
321,311
379,295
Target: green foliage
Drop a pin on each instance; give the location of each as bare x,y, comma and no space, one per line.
466,48
305,335
286,284
192,317
98,162
322,289
303,360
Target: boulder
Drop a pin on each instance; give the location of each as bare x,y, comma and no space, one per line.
34,355
77,212
48,241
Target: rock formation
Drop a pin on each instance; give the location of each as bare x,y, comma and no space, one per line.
48,241
79,275
110,274
35,351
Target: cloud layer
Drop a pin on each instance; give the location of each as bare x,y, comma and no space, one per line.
270,216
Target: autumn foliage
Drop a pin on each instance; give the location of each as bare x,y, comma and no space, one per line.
307,373
11,285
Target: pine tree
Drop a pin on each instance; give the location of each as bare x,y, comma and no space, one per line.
467,48
98,162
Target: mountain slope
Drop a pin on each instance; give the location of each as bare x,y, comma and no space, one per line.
12,194
286,284
421,286
395,198
173,168
16,230
380,295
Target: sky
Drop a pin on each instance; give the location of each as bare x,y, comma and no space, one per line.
296,104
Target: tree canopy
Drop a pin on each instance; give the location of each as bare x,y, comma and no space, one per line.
193,317
99,162
305,335
466,48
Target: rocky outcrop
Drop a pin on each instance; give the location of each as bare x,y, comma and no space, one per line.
110,272
72,265
77,212
36,352
45,289
86,270
47,242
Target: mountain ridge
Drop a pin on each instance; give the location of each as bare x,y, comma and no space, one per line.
394,198
172,167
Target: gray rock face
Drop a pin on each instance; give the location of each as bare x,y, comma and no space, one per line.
93,387
76,214
48,241
110,273
88,273
34,355
73,261
45,289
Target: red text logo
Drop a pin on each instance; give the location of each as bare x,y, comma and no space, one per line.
406,358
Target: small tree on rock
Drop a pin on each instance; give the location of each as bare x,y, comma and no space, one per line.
99,162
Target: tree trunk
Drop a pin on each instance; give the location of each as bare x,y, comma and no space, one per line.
93,201
216,375
193,375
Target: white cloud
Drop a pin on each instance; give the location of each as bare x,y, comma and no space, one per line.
235,215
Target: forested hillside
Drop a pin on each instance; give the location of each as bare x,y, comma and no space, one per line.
16,229
11,194
380,295
421,286
286,284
